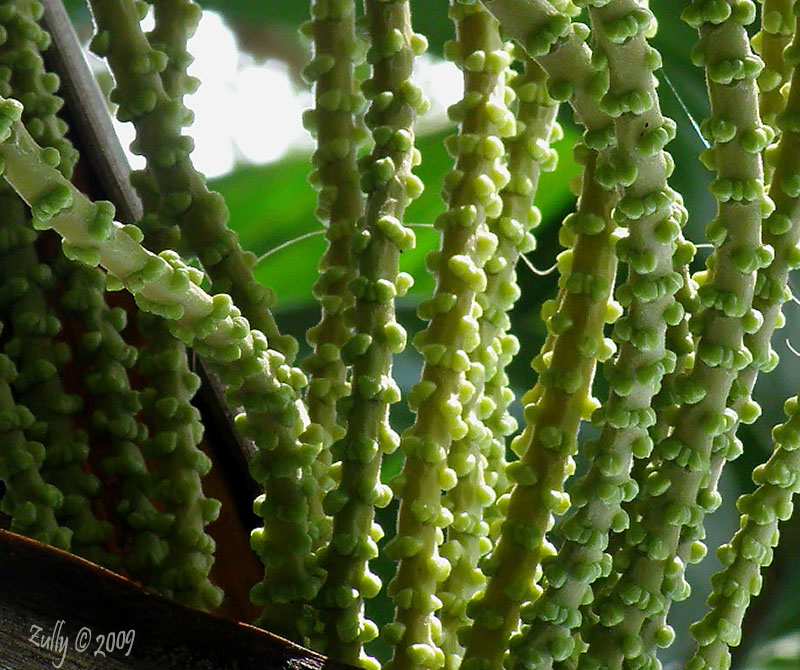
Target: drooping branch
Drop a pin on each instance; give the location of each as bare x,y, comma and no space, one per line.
36,324
479,459
652,215
749,549
186,202
257,377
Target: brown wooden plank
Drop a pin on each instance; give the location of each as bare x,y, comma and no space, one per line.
61,594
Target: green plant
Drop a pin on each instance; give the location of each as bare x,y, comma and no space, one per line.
485,577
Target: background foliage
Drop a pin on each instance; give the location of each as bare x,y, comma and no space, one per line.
271,204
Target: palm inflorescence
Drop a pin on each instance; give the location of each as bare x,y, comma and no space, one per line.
502,558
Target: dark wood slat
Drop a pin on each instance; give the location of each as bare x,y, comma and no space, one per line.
47,588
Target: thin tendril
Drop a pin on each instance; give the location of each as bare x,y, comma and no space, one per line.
313,233
537,271
289,243
791,348
685,109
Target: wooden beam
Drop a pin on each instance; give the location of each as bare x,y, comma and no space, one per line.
53,603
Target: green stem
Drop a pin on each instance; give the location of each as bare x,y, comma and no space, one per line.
339,206
782,232
175,22
751,546
113,408
777,27
187,552
639,165
30,514
178,466
439,399
40,360
528,155
653,216
478,459
550,436
377,245
31,503
679,340
558,45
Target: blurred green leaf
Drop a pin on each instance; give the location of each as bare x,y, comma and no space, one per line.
780,654
430,18
289,12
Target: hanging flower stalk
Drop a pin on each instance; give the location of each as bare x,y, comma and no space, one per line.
187,552
751,547
34,321
441,396
679,386
666,404
175,22
179,564
178,466
781,233
617,168
185,200
114,407
32,504
467,536
481,455
650,575
653,218
565,400
777,27
100,347
528,155
749,550
39,358
26,77
336,124
380,238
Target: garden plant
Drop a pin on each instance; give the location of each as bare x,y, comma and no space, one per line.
561,543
